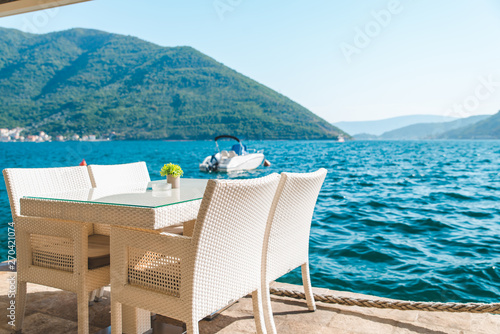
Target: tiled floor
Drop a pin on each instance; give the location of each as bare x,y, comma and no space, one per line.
54,311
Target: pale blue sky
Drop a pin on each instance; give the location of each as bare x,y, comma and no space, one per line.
428,57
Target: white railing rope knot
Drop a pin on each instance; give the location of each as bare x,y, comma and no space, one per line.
393,304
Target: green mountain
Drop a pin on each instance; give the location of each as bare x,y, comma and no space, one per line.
92,82
429,130
488,128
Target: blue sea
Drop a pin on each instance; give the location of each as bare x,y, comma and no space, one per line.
412,220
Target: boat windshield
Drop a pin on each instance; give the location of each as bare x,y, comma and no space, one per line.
240,149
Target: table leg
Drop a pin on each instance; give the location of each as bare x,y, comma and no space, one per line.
135,320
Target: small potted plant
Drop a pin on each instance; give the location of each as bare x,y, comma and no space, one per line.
173,173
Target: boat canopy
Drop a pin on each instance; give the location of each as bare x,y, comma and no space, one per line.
227,136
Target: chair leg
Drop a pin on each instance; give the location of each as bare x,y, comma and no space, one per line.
116,317
135,320
267,310
306,282
258,313
20,305
192,327
83,312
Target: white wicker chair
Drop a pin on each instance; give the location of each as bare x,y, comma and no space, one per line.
187,278
286,243
117,175
113,175
55,252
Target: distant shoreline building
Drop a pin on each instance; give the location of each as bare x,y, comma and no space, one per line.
14,135
7,135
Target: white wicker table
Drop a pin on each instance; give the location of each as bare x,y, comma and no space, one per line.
132,206
136,206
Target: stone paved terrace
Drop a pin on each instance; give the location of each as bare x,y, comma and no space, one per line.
54,311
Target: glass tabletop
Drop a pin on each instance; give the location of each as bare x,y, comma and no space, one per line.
148,195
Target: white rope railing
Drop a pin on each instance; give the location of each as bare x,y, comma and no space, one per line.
393,304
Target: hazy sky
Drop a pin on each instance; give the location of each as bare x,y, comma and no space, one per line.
343,60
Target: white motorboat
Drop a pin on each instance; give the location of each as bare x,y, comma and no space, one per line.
237,159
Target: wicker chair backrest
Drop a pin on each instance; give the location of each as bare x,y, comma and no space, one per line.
115,175
228,237
286,245
39,181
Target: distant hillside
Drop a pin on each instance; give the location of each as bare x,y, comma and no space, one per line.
429,130
488,128
92,82
366,136
380,126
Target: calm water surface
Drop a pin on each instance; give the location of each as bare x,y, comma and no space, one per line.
412,220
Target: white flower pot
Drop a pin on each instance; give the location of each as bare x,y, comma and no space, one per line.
175,181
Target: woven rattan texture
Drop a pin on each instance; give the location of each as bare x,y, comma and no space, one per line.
140,217
52,252
103,229
117,175
38,181
176,214
113,175
286,242
154,271
229,241
220,263
290,222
